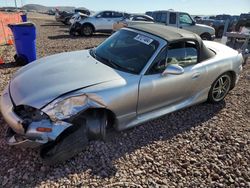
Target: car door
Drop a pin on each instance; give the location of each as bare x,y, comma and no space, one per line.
157,92
103,21
186,22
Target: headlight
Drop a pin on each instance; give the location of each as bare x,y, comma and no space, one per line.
65,108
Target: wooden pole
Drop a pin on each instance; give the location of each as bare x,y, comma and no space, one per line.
15,3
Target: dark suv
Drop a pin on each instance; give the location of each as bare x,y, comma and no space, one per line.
244,21
218,23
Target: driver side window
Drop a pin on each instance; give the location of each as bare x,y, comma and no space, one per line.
183,53
159,64
107,14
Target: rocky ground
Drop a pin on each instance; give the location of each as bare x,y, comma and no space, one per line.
202,146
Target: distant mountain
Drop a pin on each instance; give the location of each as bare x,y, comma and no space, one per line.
41,8
35,7
64,8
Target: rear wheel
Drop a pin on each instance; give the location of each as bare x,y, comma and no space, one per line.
220,88
87,30
245,61
220,33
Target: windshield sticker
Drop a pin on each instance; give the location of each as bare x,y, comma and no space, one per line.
144,39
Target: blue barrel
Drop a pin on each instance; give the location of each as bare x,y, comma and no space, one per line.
25,41
24,17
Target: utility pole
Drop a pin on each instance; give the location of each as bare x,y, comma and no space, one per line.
16,3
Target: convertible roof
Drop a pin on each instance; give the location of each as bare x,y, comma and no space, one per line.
166,32
172,34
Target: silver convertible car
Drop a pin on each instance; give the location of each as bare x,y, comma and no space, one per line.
139,73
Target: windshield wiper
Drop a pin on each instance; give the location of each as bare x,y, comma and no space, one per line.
92,52
111,63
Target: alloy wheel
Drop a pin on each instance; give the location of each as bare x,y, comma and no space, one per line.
87,30
221,87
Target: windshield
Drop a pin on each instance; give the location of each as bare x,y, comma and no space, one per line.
126,51
96,13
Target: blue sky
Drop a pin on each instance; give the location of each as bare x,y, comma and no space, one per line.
191,6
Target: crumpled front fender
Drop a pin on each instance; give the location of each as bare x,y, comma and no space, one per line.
71,105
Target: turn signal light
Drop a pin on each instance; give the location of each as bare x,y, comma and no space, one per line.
44,129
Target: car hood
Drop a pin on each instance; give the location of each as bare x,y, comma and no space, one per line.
43,80
204,26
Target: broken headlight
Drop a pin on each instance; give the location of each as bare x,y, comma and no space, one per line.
65,108
29,113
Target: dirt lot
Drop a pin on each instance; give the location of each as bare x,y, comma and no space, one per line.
202,146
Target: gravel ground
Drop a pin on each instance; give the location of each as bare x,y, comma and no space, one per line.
202,146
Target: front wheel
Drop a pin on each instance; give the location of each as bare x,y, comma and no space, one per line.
220,88
206,36
67,147
87,30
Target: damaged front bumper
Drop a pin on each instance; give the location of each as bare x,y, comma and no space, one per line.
21,134
75,28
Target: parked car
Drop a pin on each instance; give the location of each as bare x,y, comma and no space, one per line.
244,21
63,16
218,23
131,20
82,11
99,22
138,74
184,21
51,12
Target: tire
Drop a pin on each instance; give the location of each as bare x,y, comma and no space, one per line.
67,147
206,36
220,33
67,21
245,61
87,30
72,33
220,88
97,124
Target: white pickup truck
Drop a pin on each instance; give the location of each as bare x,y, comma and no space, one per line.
184,21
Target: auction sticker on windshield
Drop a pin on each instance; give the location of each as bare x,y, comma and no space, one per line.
144,39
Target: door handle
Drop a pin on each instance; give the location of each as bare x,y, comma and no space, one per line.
196,75
180,27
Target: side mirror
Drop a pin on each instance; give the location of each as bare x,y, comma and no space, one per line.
173,69
194,22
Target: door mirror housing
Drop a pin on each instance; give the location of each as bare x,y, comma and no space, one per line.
173,69
194,22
